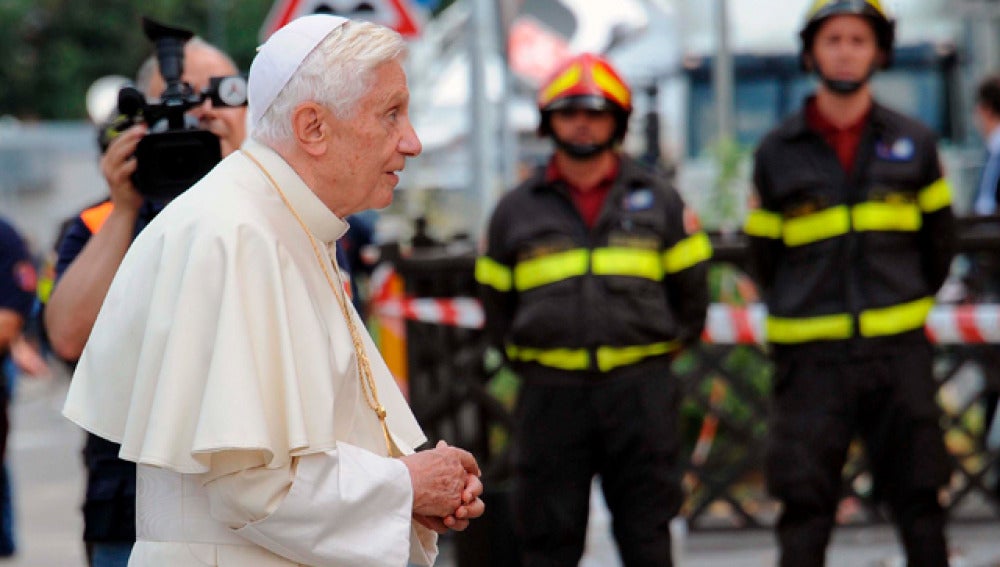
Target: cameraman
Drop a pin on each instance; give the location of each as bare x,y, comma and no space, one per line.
89,256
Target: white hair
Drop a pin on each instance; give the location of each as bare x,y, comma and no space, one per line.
336,74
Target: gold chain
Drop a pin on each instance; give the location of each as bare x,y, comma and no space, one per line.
368,386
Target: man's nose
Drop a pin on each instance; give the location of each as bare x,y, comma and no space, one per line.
410,144
203,110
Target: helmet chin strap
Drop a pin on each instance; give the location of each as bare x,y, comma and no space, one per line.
844,87
583,152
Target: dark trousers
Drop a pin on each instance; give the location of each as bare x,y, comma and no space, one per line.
820,406
624,430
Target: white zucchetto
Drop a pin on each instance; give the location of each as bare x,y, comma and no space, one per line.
281,56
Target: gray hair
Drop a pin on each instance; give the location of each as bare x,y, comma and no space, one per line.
150,68
336,74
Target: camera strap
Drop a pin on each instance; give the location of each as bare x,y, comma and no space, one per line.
368,386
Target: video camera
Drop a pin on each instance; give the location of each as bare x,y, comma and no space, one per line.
175,153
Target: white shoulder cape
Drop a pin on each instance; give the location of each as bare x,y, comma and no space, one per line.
220,332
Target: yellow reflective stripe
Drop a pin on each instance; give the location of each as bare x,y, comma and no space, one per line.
44,289
822,3
563,358
895,319
886,216
550,268
611,85
763,224
827,223
805,329
877,5
627,262
935,196
609,358
569,78
492,273
686,253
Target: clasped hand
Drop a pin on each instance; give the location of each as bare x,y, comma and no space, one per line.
446,488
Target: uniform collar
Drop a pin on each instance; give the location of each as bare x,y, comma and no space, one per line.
320,220
629,172
554,174
797,125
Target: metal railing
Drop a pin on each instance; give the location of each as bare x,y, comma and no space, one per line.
453,384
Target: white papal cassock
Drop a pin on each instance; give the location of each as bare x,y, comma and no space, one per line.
224,366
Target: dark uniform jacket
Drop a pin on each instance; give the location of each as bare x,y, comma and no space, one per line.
565,301
858,257
109,504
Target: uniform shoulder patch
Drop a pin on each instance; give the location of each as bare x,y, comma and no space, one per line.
638,200
901,149
692,223
25,276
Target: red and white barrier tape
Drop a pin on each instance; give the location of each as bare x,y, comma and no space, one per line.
724,324
464,312
964,324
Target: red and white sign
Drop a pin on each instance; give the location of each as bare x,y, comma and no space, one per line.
535,50
400,15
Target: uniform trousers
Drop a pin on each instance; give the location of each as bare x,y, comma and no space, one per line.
621,427
819,407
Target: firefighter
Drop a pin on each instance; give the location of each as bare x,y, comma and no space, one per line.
851,238
594,277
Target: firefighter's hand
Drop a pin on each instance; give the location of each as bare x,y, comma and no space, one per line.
118,164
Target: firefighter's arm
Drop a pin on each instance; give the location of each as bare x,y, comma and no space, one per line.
763,227
685,264
937,232
495,276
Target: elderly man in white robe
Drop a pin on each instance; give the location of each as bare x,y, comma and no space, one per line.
227,361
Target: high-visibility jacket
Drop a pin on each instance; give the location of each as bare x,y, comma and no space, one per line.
850,256
563,298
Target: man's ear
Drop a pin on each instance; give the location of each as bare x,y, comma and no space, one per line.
881,59
308,127
807,62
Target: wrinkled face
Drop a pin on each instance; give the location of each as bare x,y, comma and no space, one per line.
370,146
200,65
845,48
584,127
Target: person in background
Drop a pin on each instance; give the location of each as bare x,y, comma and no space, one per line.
89,254
983,277
17,292
851,236
227,360
593,279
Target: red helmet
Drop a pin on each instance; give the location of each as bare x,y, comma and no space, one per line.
586,81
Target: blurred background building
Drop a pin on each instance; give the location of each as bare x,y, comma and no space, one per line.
710,77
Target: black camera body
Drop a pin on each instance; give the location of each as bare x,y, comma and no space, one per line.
175,153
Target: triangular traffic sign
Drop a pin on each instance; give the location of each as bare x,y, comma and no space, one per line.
400,15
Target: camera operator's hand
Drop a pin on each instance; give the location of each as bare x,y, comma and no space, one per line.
118,164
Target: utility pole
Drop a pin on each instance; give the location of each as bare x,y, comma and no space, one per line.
484,175
722,73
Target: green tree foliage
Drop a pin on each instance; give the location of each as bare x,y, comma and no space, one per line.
54,49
